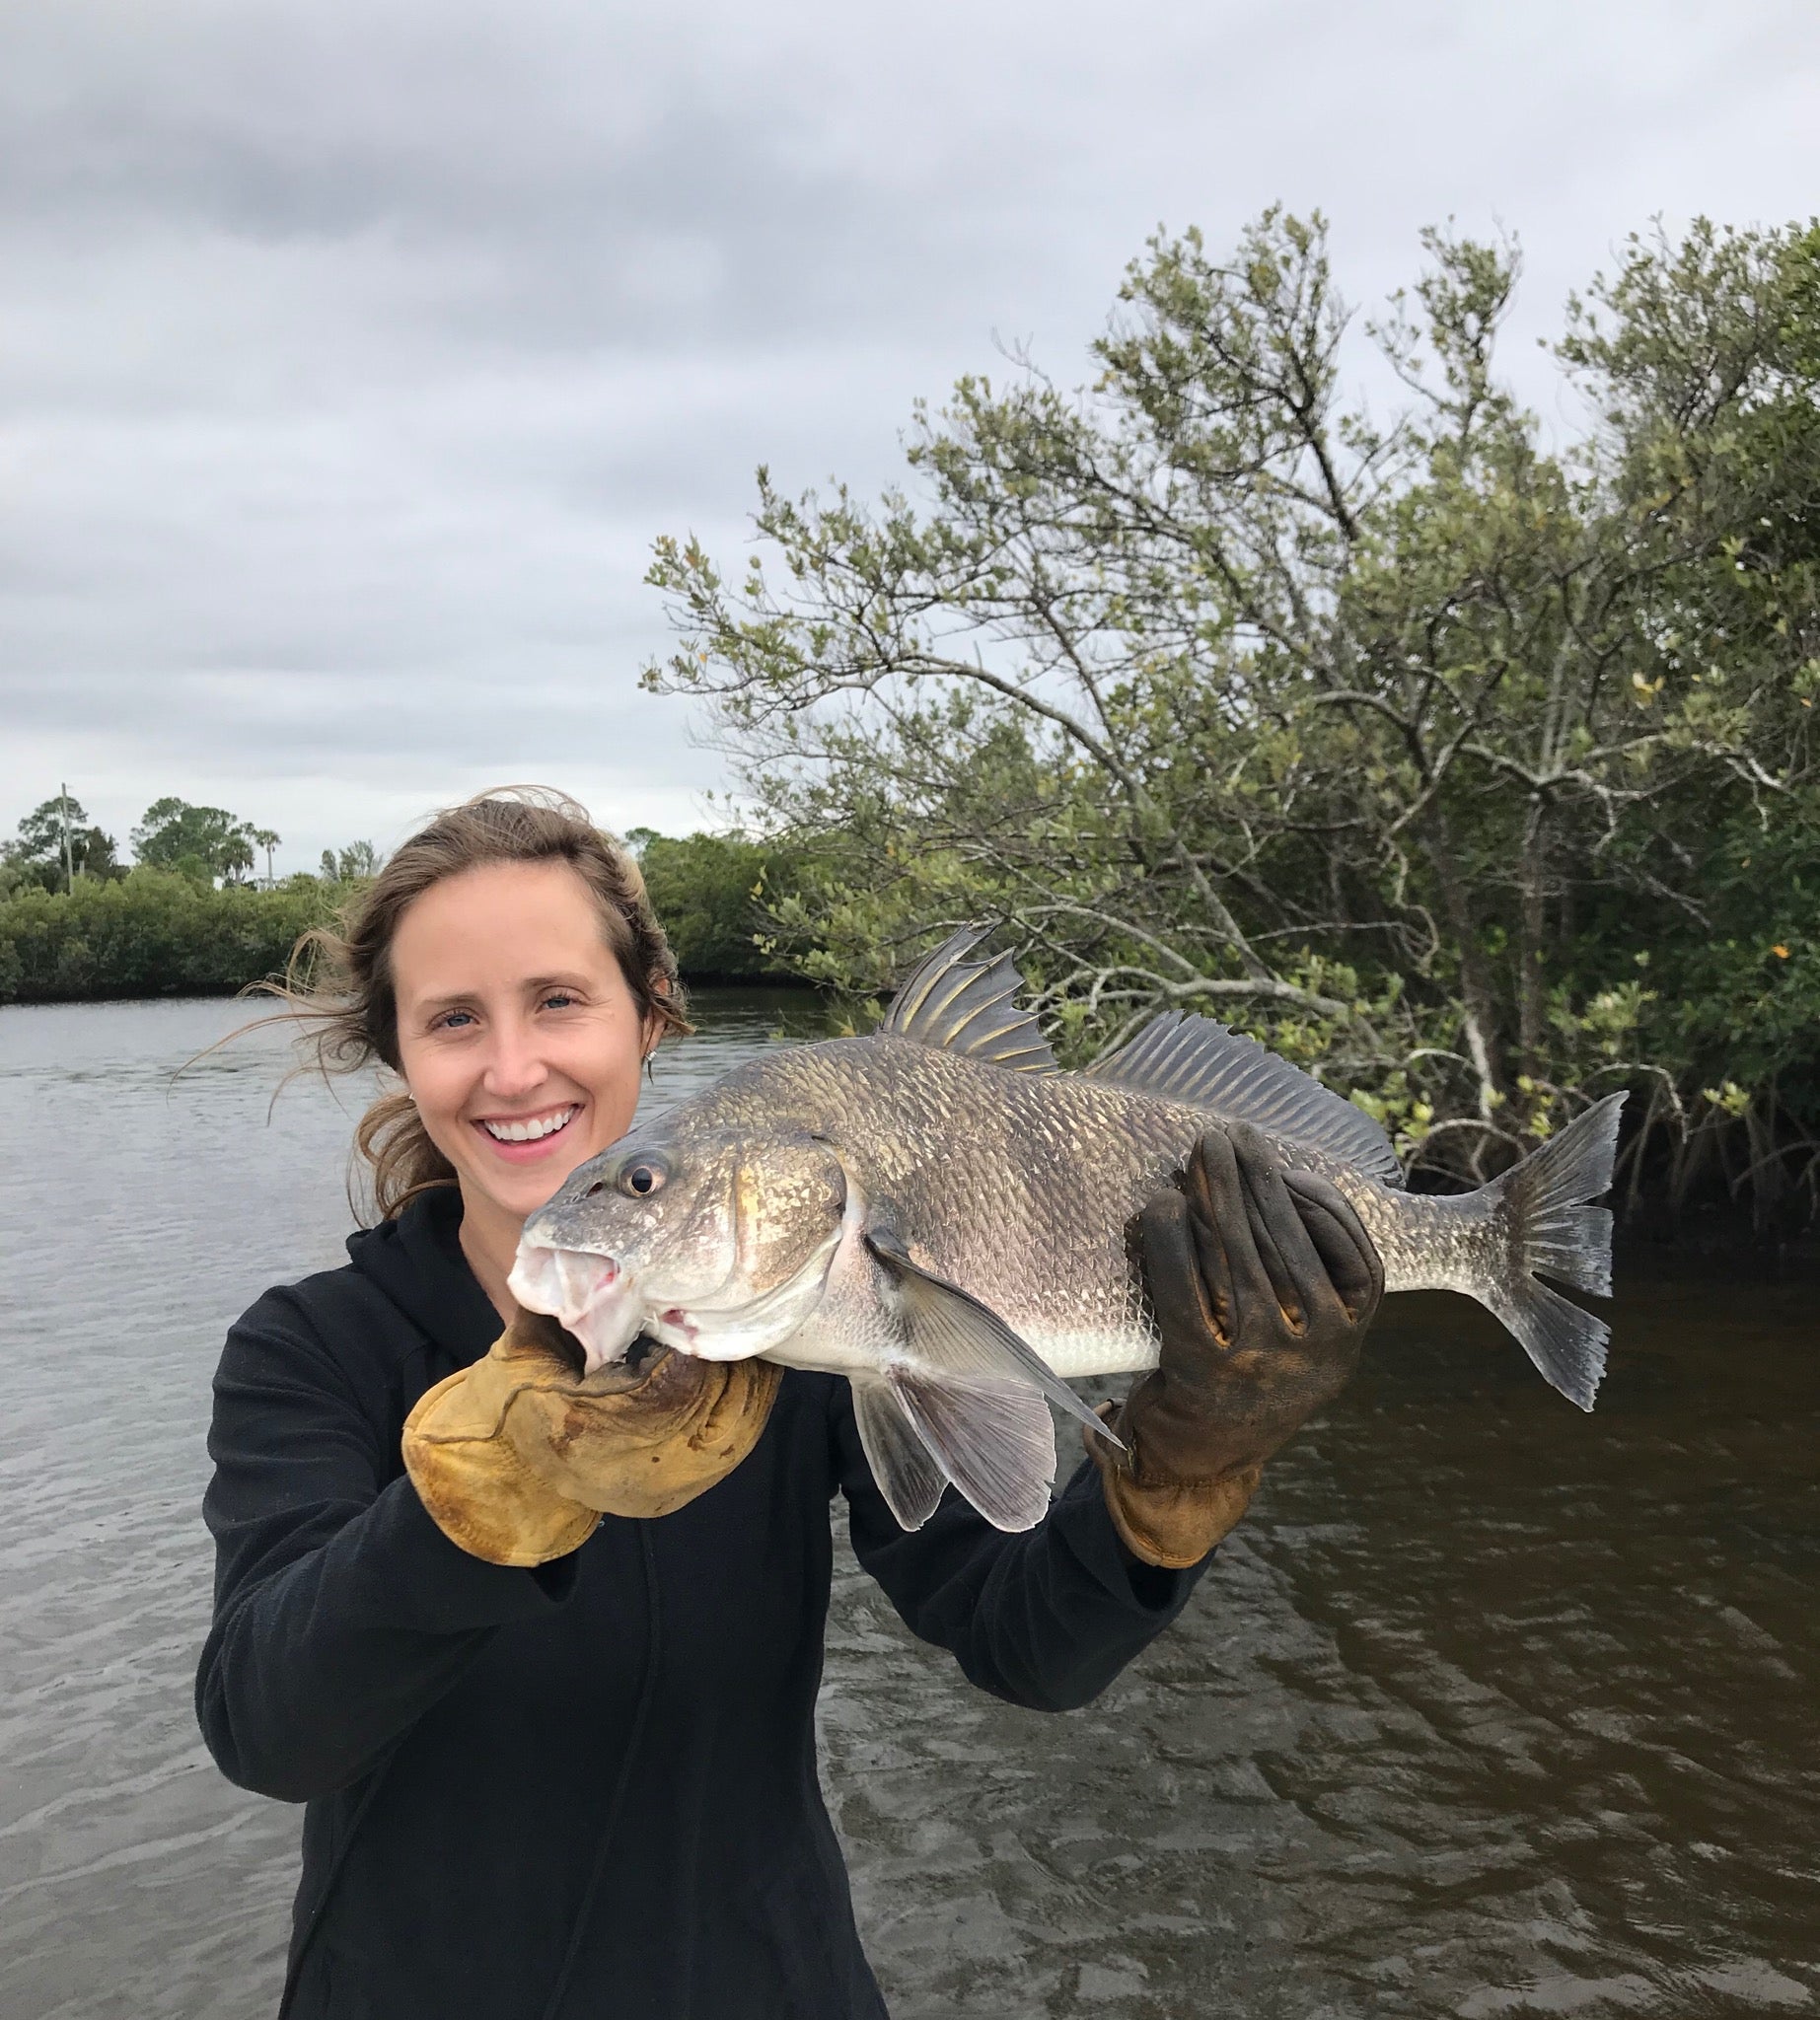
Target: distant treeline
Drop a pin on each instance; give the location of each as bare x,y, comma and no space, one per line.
151,933
157,933
57,843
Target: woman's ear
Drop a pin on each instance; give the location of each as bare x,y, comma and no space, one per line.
653,1024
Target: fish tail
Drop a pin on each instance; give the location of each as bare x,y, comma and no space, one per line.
1540,1207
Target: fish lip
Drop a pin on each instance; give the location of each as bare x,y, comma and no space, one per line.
590,1296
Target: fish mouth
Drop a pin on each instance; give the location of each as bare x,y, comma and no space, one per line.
602,1304
590,1296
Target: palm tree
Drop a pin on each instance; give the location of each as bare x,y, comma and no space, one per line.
263,837
234,855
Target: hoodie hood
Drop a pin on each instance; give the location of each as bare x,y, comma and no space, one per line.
417,1259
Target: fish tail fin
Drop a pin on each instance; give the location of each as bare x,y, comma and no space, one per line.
1541,1208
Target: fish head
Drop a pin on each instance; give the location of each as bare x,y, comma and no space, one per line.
715,1242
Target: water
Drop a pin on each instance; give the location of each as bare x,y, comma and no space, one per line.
1488,1709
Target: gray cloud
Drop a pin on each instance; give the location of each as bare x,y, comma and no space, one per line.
350,357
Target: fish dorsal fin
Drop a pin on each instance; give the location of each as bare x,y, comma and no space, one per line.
1182,1057
971,1007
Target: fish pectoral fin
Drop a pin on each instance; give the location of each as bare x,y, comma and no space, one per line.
995,1440
973,1392
951,1335
907,1472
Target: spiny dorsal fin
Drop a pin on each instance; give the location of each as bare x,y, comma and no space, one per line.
1183,1057
959,1006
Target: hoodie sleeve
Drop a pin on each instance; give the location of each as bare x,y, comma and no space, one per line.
341,1612
1045,1619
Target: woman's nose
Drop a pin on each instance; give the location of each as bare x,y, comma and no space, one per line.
514,1065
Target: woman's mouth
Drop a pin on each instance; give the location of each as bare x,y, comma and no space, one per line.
521,1139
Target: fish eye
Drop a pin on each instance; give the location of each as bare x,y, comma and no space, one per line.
642,1178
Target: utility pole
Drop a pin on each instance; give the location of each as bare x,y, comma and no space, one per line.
69,873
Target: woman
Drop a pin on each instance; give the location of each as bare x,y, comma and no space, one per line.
589,1787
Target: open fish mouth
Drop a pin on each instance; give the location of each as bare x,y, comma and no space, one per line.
591,1296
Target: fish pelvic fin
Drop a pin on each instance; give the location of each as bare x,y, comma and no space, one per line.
906,1469
1540,1206
949,1333
995,1440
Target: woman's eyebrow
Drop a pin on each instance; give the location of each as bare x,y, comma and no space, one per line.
426,1006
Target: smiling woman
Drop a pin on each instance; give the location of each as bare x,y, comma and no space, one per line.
520,1039
559,1754
506,966
427,963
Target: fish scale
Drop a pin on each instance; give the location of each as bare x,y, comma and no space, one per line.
984,1173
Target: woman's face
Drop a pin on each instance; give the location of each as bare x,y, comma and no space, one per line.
517,1037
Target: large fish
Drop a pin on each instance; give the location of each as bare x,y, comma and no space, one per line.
940,1213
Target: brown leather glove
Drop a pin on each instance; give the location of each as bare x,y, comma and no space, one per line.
518,1456
1262,1281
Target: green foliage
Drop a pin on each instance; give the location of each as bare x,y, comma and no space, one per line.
347,866
194,842
1419,750
269,839
711,893
151,933
36,855
166,932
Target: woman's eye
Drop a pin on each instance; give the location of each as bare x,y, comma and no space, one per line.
451,1020
643,1178
561,998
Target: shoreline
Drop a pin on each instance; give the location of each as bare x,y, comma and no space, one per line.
1714,1239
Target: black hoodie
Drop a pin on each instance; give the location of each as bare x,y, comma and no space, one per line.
588,1789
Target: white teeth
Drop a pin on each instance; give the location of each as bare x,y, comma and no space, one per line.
530,1130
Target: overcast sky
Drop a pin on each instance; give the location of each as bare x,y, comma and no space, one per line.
351,356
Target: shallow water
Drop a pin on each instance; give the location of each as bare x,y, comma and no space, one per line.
1488,1709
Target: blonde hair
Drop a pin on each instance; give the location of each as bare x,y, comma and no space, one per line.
339,979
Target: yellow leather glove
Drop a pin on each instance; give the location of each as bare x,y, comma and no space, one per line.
518,1456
